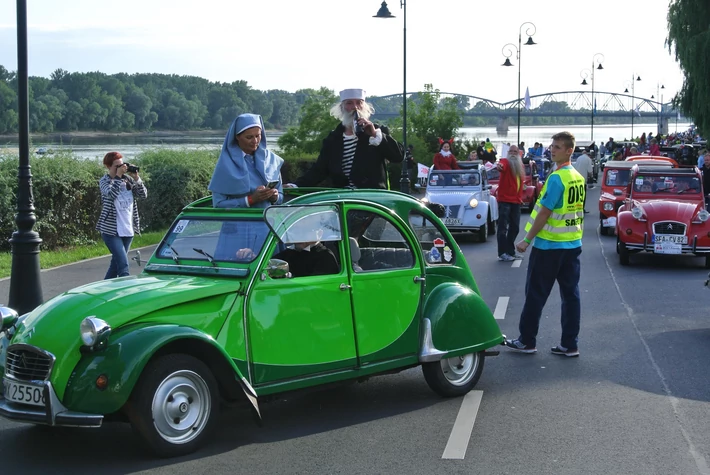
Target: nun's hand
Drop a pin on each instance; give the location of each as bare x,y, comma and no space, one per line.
263,193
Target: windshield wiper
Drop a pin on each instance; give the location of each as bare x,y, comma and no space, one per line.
662,189
209,258
175,254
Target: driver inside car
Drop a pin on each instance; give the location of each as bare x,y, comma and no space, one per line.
309,258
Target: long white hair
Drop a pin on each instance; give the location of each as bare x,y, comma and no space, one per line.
516,164
346,118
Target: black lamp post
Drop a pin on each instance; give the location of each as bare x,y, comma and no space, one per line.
384,12
597,59
509,50
633,109
25,285
659,106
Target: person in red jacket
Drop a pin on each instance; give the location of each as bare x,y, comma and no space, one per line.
445,160
510,197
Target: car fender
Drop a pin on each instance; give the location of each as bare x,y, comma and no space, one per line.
493,203
456,321
126,356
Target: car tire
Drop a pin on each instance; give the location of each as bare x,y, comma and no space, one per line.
175,404
483,232
602,230
623,252
491,226
455,376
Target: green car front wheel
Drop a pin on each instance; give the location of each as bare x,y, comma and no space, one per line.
455,376
174,406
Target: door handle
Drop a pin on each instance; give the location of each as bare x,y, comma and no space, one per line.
418,280
345,287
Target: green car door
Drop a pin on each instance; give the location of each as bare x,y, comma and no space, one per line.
303,325
387,286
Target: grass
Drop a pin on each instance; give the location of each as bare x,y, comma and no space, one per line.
49,259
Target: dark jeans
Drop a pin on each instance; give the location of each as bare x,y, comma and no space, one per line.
544,268
118,246
508,227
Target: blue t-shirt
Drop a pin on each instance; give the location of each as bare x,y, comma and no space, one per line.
552,199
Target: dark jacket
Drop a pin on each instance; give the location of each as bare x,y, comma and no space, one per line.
318,261
369,168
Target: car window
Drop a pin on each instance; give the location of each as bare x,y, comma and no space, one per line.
667,184
617,177
435,247
219,240
455,178
376,243
493,174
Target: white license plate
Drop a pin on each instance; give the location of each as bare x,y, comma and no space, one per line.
609,222
452,221
678,239
23,393
667,248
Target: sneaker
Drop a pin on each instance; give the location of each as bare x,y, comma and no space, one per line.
561,350
516,345
506,258
517,256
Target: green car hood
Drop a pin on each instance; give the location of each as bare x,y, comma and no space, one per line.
203,302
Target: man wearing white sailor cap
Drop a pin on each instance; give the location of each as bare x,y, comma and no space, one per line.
356,153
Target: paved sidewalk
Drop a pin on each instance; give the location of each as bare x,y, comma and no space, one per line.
63,278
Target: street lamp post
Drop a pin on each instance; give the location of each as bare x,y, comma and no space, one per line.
633,109
25,285
509,50
384,12
597,59
659,108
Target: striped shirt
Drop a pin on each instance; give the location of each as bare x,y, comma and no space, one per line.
110,189
349,145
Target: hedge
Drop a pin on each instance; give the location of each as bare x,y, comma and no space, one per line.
67,199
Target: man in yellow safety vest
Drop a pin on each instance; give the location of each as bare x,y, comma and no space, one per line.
556,225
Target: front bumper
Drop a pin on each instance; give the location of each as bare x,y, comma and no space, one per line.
647,246
53,413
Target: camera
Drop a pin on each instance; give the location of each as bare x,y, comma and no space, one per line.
132,168
359,129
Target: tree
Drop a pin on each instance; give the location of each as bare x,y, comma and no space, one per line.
688,33
316,124
429,117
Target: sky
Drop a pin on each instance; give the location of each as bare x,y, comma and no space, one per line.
455,45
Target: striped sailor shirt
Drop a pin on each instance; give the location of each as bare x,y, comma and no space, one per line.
110,189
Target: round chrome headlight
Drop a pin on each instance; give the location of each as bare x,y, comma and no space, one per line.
608,206
703,215
636,213
94,331
473,203
424,200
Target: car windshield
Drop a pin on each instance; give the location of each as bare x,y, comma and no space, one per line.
667,184
214,240
455,178
617,177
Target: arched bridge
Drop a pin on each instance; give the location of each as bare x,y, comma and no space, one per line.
613,106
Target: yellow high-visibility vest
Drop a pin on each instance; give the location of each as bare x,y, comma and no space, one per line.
565,223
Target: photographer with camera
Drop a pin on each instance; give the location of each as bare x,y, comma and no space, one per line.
356,153
119,220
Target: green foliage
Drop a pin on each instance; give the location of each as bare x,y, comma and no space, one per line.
316,123
429,117
174,179
688,33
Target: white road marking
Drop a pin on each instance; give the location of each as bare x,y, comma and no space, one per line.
517,263
461,433
501,307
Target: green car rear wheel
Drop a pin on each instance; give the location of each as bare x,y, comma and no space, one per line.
455,376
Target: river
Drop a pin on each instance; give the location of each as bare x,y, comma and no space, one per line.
132,145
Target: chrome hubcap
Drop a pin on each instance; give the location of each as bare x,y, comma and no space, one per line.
181,407
459,370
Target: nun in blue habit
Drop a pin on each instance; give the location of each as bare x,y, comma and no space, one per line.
245,167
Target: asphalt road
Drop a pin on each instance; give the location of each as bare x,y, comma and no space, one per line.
635,402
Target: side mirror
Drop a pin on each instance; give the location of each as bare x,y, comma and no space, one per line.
278,269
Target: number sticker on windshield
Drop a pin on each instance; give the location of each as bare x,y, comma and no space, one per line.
181,225
639,181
